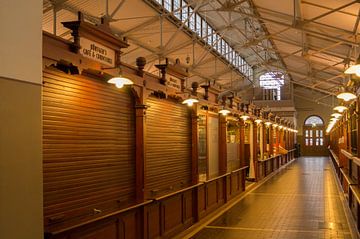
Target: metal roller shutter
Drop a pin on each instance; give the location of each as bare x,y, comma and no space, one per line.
88,147
168,146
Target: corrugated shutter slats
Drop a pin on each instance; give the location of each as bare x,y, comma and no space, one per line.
88,146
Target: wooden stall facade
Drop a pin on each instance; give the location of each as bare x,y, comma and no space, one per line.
345,155
135,162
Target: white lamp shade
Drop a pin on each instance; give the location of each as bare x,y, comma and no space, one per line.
120,81
244,117
224,112
190,101
347,96
340,108
336,115
354,69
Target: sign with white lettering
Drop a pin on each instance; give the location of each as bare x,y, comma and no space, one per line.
173,82
97,52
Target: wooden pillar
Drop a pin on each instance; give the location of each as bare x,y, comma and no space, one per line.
271,140
222,145
194,146
255,152
277,140
280,139
242,143
263,130
140,151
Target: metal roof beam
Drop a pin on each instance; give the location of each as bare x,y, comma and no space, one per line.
301,28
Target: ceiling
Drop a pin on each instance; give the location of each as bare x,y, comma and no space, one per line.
310,41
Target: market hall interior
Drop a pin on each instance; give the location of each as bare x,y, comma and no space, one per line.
179,119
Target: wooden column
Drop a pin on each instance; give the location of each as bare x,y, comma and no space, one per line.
271,140
255,152
222,145
264,139
140,151
242,143
194,146
277,140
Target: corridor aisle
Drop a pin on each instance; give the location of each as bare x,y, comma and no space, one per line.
302,201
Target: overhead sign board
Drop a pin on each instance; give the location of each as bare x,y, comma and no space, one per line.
97,52
173,82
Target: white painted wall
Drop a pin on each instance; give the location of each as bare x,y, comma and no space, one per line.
21,40
305,108
21,194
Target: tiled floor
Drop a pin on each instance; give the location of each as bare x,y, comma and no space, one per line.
302,201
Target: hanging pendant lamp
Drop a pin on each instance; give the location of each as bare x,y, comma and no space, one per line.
340,108
224,112
244,117
190,101
268,123
336,115
119,81
346,96
354,69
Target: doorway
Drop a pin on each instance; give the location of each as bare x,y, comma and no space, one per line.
314,140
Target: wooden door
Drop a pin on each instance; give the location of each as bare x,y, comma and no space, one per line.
314,143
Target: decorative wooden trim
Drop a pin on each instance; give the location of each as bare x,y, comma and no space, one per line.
57,232
177,192
101,34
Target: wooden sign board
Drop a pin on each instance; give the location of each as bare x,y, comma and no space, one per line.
97,52
173,82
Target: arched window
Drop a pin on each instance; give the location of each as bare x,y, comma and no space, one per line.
314,121
271,82
313,133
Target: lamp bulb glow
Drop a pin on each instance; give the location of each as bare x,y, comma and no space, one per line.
190,101
120,81
119,85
